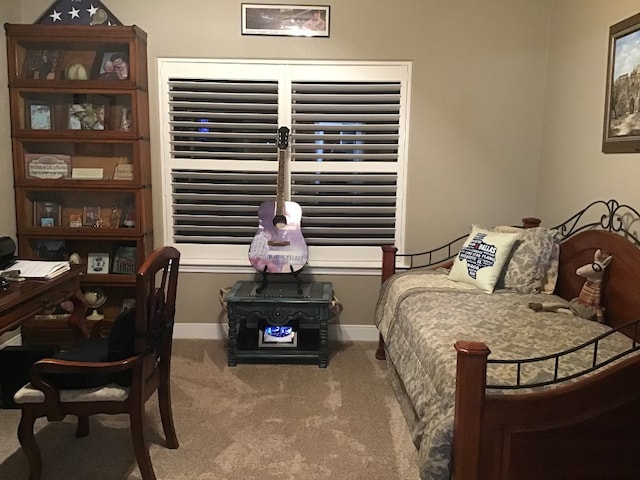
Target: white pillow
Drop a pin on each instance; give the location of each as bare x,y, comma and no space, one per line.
482,258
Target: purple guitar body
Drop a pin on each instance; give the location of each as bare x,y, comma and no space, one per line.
279,246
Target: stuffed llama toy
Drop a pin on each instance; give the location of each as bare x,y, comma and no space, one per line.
587,303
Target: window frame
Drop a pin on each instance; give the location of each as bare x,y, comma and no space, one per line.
353,260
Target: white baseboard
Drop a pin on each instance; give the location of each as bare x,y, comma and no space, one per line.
218,331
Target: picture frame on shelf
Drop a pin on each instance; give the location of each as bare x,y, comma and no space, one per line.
51,249
287,20
42,64
86,116
621,131
91,216
111,65
98,263
124,260
47,166
46,214
38,115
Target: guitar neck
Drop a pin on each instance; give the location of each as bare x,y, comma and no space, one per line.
280,193
283,142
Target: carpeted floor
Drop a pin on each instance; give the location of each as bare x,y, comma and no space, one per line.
286,422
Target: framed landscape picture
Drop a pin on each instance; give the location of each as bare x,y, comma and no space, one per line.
622,102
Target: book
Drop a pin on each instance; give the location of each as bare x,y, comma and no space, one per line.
40,269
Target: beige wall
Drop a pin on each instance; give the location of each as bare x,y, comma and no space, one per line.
573,169
481,124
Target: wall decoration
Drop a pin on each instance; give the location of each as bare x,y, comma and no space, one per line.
78,12
622,103
289,20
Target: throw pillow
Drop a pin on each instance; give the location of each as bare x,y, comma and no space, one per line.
530,268
482,258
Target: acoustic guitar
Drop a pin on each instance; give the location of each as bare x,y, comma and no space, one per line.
278,246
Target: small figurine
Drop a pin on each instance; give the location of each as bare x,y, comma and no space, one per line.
114,218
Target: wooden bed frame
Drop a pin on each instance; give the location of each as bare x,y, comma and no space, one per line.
585,429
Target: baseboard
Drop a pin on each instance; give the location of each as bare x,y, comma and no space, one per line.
218,331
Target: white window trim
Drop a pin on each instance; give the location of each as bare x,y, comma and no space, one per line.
359,262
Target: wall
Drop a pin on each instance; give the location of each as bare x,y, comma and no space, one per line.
476,111
573,169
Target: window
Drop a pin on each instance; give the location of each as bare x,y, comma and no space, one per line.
346,156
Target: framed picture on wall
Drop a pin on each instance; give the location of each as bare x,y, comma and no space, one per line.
622,102
288,20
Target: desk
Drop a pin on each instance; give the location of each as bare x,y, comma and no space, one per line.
278,305
25,299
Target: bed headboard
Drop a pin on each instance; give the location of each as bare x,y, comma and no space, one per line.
612,228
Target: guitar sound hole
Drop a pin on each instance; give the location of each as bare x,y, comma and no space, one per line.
279,221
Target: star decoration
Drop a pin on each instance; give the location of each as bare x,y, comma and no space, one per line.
55,17
78,12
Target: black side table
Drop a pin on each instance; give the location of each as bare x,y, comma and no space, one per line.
279,304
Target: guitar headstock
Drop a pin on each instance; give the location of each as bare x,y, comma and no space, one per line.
283,137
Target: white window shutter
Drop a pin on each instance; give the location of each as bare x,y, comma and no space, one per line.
346,168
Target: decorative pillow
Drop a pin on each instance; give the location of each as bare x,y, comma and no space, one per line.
482,258
533,265
551,277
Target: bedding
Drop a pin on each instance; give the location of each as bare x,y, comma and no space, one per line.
422,313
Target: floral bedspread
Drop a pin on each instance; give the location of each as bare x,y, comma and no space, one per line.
421,314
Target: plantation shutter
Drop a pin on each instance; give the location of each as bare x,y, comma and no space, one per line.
345,161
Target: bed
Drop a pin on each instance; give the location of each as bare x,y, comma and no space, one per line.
492,389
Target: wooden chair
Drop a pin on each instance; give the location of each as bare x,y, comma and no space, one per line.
149,369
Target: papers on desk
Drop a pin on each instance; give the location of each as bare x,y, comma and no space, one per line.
40,269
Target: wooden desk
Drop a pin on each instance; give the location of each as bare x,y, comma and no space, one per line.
24,299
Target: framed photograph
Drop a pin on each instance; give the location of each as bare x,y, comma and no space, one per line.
86,116
289,20
124,260
91,216
42,64
38,115
622,102
51,249
111,65
98,263
47,166
46,214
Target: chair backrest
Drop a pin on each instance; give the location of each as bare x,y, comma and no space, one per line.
156,288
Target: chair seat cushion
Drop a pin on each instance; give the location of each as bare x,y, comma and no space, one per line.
105,393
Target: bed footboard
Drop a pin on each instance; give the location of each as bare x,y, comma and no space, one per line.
589,429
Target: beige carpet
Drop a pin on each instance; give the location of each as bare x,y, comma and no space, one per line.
286,422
